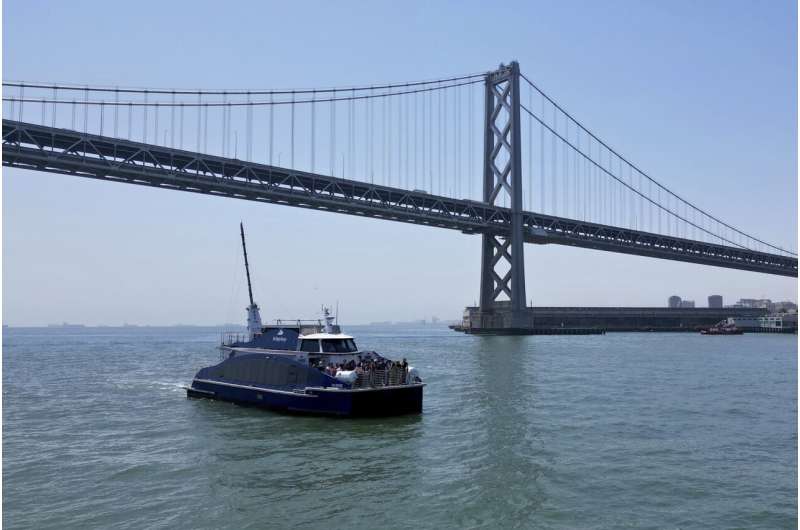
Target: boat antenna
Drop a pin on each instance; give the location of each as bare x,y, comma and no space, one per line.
246,265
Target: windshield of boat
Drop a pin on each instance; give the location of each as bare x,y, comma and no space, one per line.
309,345
338,346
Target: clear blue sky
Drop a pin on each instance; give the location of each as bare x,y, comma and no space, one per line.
702,95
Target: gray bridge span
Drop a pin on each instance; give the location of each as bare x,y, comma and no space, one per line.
43,148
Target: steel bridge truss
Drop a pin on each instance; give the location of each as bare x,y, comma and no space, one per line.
502,177
41,148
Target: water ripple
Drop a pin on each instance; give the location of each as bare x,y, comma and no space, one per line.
620,431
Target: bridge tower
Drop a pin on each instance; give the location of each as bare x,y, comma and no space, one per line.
502,263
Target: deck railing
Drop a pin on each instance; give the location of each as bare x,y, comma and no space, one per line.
394,376
232,337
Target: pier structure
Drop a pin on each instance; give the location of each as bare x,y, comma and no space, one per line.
498,320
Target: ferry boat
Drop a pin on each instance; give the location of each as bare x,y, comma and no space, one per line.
310,367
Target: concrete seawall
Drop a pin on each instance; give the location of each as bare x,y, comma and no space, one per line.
540,319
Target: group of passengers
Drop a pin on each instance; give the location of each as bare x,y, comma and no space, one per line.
394,371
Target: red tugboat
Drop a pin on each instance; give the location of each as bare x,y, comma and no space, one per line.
722,328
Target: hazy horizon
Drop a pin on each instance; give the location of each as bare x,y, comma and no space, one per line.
422,320
702,96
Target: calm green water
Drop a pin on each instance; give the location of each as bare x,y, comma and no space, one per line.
623,430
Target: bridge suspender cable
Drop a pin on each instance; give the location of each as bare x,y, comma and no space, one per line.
637,192
652,180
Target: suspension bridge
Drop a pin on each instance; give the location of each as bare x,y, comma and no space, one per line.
487,153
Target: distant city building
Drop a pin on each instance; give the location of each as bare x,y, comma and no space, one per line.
784,307
687,304
765,303
715,301
753,303
674,301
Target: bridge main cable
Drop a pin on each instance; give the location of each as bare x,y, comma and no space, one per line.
312,100
239,92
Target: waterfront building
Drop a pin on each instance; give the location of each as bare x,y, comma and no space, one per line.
774,323
715,301
687,304
674,301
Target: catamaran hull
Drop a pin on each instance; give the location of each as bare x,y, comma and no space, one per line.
382,401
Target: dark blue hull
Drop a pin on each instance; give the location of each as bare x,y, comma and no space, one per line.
384,401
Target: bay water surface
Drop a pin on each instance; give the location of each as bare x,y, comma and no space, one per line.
625,430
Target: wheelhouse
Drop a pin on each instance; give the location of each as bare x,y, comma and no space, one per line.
327,343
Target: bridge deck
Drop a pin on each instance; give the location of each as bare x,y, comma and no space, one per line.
43,148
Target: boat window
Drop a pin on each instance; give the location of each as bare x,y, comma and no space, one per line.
338,346
311,346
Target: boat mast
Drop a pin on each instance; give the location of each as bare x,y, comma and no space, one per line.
253,315
246,265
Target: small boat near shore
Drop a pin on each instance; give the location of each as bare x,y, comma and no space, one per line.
308,367
722,328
